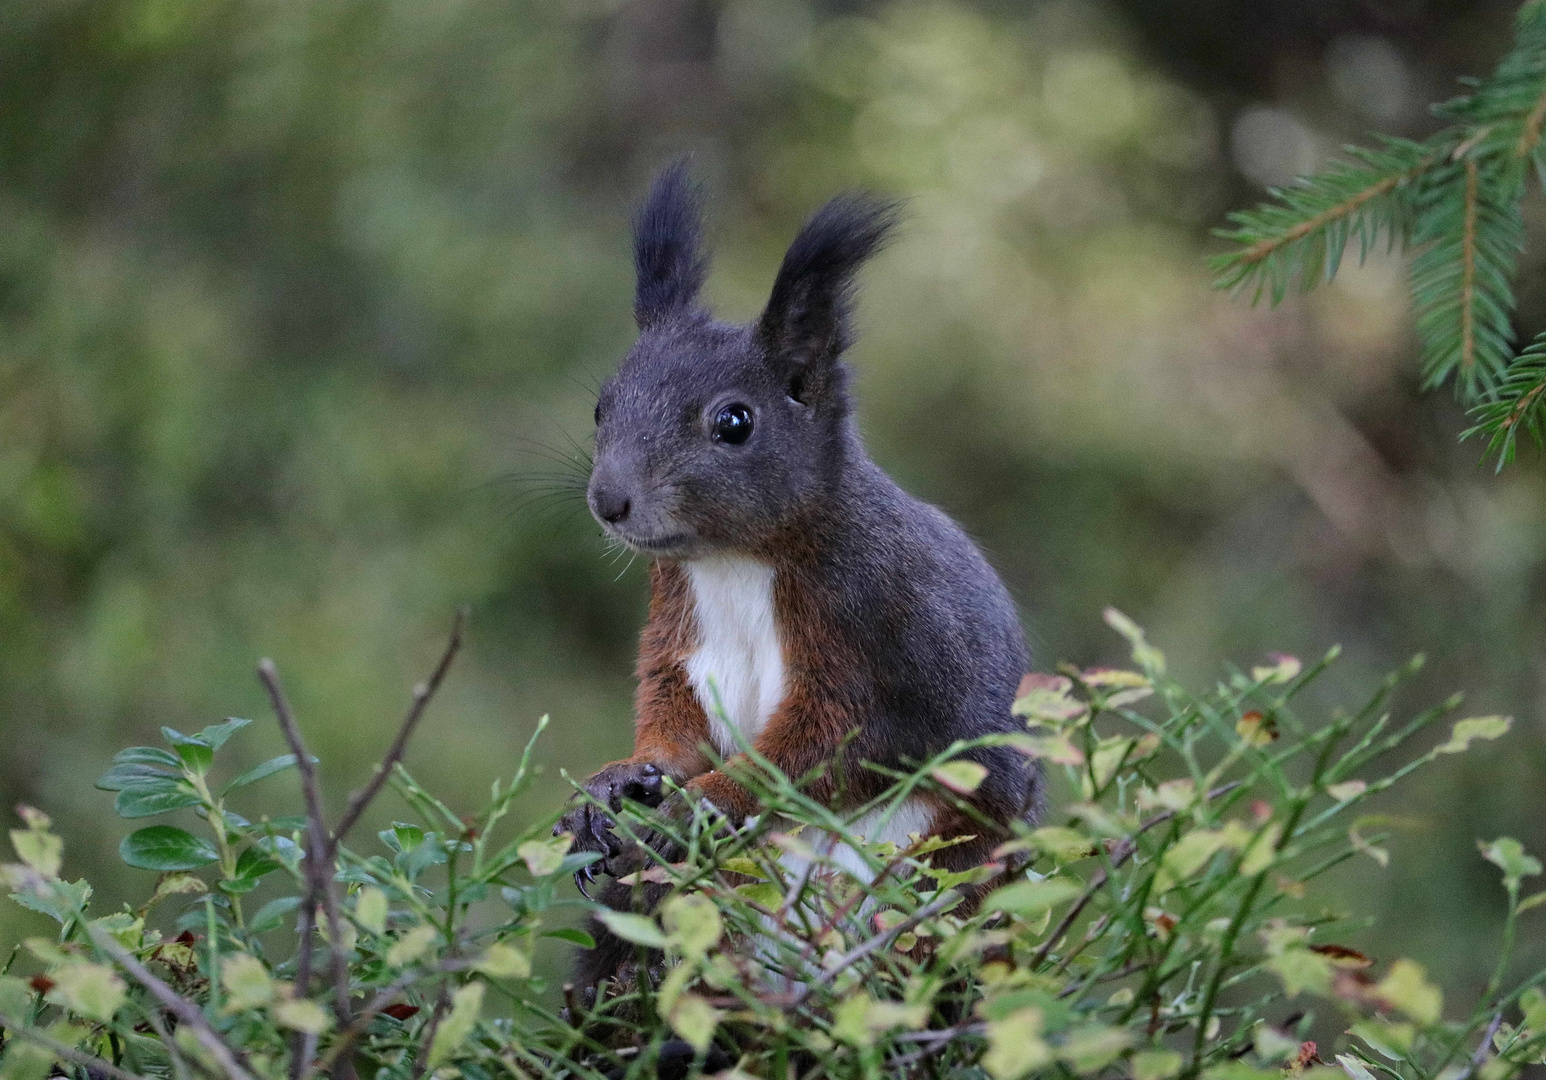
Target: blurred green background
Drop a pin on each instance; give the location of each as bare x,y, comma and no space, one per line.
302,303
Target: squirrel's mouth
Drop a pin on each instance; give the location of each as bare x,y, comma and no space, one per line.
670,544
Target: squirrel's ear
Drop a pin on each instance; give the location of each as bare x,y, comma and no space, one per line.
666,239
805,325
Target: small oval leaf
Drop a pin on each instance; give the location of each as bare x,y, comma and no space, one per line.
138,802
165,847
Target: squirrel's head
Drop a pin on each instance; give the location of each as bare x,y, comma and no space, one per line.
715,437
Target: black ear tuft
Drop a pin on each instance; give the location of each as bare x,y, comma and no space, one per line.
667,231
806,321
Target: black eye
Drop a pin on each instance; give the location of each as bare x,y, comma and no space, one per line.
733,424
598,414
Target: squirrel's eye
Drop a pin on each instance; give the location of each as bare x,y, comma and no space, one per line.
733,424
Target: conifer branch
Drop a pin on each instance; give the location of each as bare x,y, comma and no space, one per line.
1530,134
1468,276
1455,200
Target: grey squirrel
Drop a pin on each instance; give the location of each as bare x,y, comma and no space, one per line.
797,593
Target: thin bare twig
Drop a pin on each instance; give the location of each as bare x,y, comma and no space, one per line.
422,694
879,942
320,870
186,1011
1482,1047
68,1053
1120,855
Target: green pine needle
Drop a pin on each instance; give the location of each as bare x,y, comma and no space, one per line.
1455,201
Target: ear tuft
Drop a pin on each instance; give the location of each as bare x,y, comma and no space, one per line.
806,321
667,233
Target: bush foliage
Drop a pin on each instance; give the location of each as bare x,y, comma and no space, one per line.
1164,925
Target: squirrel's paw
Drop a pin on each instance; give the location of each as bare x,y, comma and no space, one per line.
591,825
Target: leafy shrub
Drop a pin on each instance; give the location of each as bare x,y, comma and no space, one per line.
1162,926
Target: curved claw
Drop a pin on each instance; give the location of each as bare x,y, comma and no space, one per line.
582,877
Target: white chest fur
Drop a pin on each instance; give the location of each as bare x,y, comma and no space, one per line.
737,667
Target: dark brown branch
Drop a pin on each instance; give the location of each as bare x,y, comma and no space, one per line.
68,1053
422,694
320,870
186,1011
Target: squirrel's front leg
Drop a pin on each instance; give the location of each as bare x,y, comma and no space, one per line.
669,730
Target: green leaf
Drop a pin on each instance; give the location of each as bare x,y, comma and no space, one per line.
638,929
1029,899
147,755
271,916
147,801
1508,855
196,756
165,847
262,772
28,1061
120,777
215,735
574,937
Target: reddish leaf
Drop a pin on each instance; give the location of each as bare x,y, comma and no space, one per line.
1342,956
400,1011
41,983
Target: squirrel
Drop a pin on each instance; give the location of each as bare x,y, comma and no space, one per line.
797,594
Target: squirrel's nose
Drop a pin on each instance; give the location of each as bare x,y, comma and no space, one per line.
610,506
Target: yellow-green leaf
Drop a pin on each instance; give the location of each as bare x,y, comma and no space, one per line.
1465,732
1054,748
412,945
544,857
1015,1045
466,1007
501,961
1508,855
1348,789
1156,1064
90,990
1406,987
638,929
39,849
1092,1047
692,924
1301,969
1062,843
694,1019
1028,899
302,1014
370,908
247,982
962,777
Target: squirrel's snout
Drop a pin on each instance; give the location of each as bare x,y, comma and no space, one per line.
610,506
